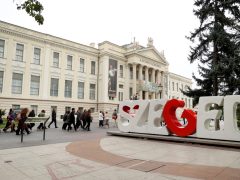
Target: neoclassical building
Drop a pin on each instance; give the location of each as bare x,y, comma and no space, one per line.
41,71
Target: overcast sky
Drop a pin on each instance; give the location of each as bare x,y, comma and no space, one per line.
117,21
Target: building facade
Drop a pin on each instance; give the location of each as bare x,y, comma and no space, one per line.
41,71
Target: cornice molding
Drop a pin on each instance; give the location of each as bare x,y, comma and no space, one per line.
105,53
46,41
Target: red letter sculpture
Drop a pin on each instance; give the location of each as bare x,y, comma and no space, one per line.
173,125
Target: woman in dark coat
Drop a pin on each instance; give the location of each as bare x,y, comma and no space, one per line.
22,117
88,119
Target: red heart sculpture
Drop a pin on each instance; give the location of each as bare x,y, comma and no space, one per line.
127,109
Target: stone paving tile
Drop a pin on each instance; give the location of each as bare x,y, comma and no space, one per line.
116,173
147,166
202,172
130,163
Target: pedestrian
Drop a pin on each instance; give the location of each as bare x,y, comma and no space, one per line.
54,118
106,119
10,121
31,114
65,120
72,120
88,119
100,118
41,114
114,117
84,119
79,121
22,117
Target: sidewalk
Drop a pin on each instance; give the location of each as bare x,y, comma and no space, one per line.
119,158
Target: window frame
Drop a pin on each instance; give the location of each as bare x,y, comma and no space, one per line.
2,47
36,57
54,92
56,60
19,52
34,91
81,67
68,89
15,86
92,91
69,62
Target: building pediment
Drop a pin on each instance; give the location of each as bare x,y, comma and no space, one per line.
149,54
152,53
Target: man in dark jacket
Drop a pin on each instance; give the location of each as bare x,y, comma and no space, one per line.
72,120
54,119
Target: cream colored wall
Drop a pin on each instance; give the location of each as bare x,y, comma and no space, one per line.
176,93
48,44
45,70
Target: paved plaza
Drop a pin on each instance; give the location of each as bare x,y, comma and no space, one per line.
94,155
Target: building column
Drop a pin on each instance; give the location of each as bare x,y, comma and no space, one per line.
140,79
153,76
146,80
126,84
134,78
158,81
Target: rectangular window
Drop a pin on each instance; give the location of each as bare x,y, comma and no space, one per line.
80,90
121,71
37,54
2,44
67,108
55,59
17,80
82,65
120,96
35,108
19,52
93,66
16,107
182,86
68,89
173,86
92,91
92,110
69,62
35,84
120,86
54,87
177,86
1,81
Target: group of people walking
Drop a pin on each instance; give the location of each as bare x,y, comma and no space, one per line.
83,119
104,118
79,119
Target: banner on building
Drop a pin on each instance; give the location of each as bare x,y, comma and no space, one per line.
112,78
